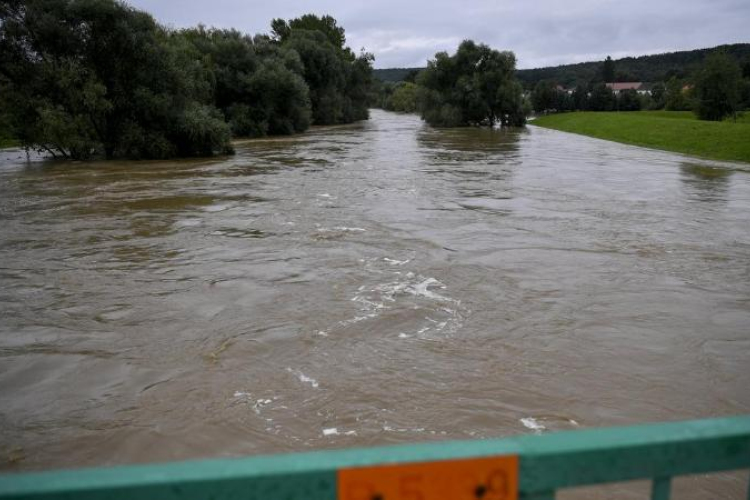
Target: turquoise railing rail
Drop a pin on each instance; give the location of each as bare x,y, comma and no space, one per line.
530,467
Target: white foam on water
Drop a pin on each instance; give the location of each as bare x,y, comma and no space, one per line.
533,424
395,262
548,422
385,296
304,378
259,404
388,428
333,431
423,289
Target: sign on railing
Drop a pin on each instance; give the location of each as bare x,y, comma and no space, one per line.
525,467
494,478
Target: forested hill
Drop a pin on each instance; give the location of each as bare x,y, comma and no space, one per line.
659,67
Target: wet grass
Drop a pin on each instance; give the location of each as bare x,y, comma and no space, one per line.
677,131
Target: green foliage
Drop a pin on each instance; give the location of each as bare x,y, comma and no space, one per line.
546,97
602,98
658,95
257,84
676,95
608,70
717,88
395,75
652,68
403,99
327,25
475,86
96,77
339,81
671,131
627,100
86,78
745,94
580,98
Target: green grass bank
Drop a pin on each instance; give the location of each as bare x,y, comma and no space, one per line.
675,131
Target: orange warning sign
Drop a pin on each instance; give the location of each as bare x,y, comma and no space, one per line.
492,478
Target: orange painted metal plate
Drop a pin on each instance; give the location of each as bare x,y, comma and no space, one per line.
491,478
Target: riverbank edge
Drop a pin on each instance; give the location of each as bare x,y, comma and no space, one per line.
721,141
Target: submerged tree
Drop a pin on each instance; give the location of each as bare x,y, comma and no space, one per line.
404,98
475,86
717,88
339,81
257,85
95,77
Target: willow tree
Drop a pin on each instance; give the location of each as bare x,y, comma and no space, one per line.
475,86
87,78
339,81
258,85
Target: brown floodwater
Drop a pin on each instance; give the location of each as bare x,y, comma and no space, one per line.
363,285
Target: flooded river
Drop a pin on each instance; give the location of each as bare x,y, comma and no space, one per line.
378,283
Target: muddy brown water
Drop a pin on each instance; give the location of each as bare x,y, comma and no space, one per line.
378,283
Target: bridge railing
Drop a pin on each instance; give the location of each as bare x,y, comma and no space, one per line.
524,467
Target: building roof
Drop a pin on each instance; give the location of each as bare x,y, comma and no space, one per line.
625,85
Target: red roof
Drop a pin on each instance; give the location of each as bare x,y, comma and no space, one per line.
625,85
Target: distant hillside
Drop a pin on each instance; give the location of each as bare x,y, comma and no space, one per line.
653,68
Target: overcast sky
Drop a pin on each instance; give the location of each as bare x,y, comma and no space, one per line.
406,33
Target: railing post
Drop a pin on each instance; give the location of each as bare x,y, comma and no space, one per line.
660,487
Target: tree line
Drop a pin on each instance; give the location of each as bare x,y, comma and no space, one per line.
716,89
98,78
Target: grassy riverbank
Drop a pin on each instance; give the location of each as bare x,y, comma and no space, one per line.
674,131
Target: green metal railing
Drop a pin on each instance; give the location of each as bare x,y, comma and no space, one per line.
543,464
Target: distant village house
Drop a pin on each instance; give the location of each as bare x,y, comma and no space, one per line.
639,87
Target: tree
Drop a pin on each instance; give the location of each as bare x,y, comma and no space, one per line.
580,98
658,94
544,97
608,70
675,95
95,77
717,88
628,100
602,98
475,86
327,25
339,81
404,98
257,84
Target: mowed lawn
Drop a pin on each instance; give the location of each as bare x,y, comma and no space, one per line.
677,131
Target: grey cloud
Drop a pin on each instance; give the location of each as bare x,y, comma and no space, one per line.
544,32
